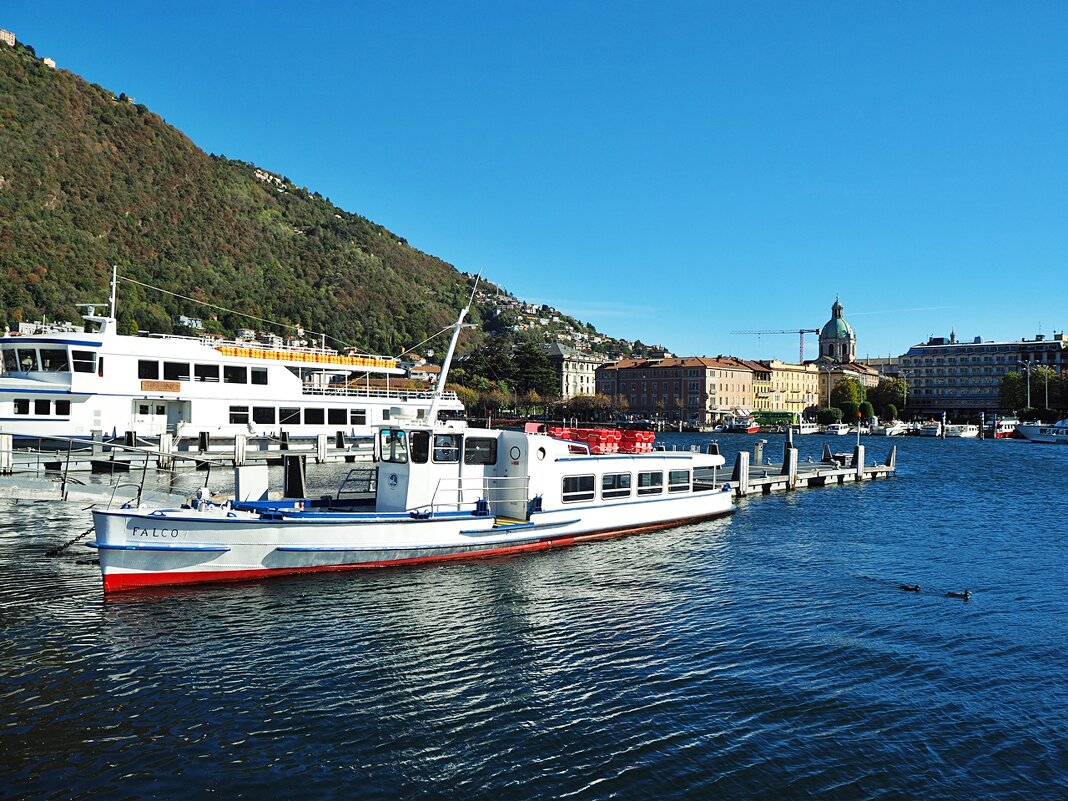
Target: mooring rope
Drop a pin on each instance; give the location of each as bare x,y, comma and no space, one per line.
61,548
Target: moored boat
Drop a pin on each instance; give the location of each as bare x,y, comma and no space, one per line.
740,424
1002,428
932,428
836,429
1057,433
962,430
805,427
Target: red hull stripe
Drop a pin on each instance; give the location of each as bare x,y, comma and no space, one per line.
117,582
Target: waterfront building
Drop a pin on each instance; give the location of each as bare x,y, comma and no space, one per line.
576,370
7,37
790,387
945,375
696,389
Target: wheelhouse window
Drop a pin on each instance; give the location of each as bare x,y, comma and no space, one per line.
63,407
54,360
678,481
650,483
419,442
234,374
264,415
393,445
259,376
446,447
358,417
239,415
336,417
83,361
480,450
314,417
206,372
42,407
176,371
147,369
577,488
289,417
615,485
28,360
22,406
11,361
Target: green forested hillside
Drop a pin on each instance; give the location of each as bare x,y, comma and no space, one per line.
88,180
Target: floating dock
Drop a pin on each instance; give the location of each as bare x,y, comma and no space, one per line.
833,468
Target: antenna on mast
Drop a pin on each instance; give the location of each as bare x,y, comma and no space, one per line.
114,283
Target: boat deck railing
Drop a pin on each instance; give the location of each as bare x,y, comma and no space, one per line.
498,491
375,392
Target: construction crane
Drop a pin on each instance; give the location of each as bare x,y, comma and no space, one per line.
800,331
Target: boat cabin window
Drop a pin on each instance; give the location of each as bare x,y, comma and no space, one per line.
84,361
289,417
650,483
419,442
615,485
54,360
147,369
314,416
446,447
206,372
678,481
63,407
358,417
259,375
176,371
577,488
11,361
239,414
42,406
232,374
28,359
263,414
335,417
22,406
394,446
480,450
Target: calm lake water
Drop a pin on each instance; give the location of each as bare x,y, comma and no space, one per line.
768,655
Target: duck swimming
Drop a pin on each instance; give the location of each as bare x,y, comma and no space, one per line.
909,587
966,595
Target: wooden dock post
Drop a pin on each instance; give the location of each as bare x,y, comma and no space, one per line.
164,460
758,451
858,462
6,454
320,448
789,467
740,476
296,485
240,449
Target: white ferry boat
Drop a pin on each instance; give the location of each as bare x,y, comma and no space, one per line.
64,383
836,429
441,492
962,430
1044,432
805,427
932,428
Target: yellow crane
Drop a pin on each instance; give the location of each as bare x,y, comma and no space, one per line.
800,331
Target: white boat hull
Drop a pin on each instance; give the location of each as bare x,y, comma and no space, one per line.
1056,434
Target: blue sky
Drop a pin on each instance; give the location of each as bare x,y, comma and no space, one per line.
669,172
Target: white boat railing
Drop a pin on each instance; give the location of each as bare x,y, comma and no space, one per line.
502,493
374,392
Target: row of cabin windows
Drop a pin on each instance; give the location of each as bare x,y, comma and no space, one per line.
618,485
401,446
42,408
291,416
49,360
179,371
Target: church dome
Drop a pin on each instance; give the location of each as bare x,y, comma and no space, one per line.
837,327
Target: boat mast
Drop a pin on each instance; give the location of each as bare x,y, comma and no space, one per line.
440,388
114,283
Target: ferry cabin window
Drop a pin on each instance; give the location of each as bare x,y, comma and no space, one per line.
63,407
259,376
615,485
394,446
239,414
206,372
11,362
233,374
84,361
264,415
420,446
314,417
289,417
480,450
358,417
176,371
22,406
41,406
54,360
336,417
577,488
147,369
27,359
678,481
650,483
446,447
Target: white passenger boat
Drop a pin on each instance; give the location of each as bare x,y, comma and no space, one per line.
836,429
442,492
962,430
932,428
805,427
1057,433
894,428
68,383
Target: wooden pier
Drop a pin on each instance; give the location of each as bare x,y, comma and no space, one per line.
789,474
